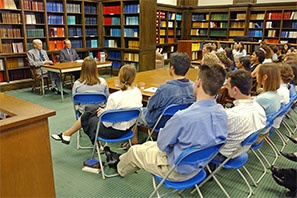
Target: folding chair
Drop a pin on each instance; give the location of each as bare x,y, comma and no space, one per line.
235,163
191,156
114,116
84,98
167,113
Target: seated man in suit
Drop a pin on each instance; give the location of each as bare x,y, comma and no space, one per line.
38,57
201,125
179,90
68,54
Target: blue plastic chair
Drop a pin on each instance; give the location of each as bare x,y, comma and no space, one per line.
190,156
236,163
167,113
84,98
114,116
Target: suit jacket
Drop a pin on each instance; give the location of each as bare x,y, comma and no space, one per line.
35,59
65,57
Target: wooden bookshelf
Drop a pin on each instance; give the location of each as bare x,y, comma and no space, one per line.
128,34
169,23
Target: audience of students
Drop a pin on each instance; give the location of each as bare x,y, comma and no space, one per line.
239,50
192,127
127,97
216,47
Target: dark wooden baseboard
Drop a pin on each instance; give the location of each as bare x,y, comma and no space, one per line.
17,84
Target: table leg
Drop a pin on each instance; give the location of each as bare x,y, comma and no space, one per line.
61,88
42,84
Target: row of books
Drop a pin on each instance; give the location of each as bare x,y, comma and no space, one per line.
289,34
1,64
76,43
170,32
132,20
113,31
161,15
111,9
133,44
272,24
56,44
200,17
30,46
19,74
258,16
218,25
197,46
240,16
162,32
219,16
198,32
55,19
71,20
170,40
274,15
116,64
112,21
161,24
10,18
10,32
130,32
90,9
173,16
91,20
114,55
236,33
91,31
93,43
12,47
271,33
8,4
200,24
131,8
54,7
1,74
256,25
136,65
218,33
35,32
255,33
237,24
33,5
111,43
195,55
74,31
292,25
33,19
131,57
56,32
13,63
73,8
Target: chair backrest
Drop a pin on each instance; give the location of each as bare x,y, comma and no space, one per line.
251,139
192,156
119,115
167,113
88,98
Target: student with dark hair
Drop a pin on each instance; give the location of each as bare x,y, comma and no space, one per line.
246,117
257,58
179,90
244,63
127,97
229,54
192,127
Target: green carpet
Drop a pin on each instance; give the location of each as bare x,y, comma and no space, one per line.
71,181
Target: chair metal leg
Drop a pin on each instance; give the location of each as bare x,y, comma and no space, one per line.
78,146
274,149
279,134
251,177
263,165
262,155
251,192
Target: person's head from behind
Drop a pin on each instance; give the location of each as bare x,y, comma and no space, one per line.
244,63
127,76
67,43
267,51
37,43
210,79
224,60
258,56
210,59
179,63
290,57
269,76
286,72
239,82
89,73
293,65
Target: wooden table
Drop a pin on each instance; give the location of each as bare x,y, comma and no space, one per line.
25,155
151,78
66,67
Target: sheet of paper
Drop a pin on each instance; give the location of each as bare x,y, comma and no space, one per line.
151,89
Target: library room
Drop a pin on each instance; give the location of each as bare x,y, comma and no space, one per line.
88,89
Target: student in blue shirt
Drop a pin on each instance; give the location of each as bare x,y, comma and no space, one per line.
202,124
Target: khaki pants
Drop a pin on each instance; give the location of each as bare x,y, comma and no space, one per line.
149,157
